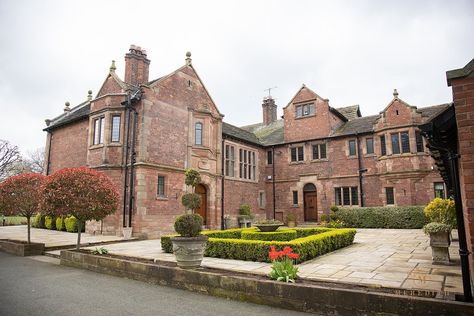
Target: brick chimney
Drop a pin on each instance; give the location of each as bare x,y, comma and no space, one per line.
136,66
269,110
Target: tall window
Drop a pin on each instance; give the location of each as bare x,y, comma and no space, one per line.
247,164
390,196
346,196
439,190
99,130
269,157
115,137
419,142
304,110
383,148
319,151
198,133
297,154
161,186
229,160
352,147
369,143
261,199
405,142
295,197
395,143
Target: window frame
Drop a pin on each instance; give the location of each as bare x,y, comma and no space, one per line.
371,152
420,148
443,195
196,129
405,142
299,155
112,129
229,168
269,157
319,152
392,197
163,193
349,194
247,164
383,145
304,110
295,198
98,131
349,142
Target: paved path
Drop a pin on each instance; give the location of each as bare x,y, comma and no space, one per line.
29,287
52,238
379,257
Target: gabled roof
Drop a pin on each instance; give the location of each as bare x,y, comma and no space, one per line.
298,92
431,111
350,112
77,113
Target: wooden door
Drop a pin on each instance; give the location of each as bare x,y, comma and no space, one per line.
202,210
310,207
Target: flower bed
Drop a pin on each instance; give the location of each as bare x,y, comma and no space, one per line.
309,243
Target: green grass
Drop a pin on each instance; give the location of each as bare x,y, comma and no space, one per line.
13,220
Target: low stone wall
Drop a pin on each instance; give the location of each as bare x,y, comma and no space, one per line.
319,299
20,248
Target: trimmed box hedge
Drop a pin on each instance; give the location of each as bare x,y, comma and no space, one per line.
408,217
279,235
312,243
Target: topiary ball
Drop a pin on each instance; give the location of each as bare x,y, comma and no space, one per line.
188,225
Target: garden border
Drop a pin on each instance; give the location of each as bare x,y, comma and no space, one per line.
322,299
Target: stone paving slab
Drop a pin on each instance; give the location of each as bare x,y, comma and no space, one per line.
53,238
379,257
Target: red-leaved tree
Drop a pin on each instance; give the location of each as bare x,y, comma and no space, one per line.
82,192
21,195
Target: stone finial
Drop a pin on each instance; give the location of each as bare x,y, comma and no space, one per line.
304,86
66,107
188,58
48,122
112,67
89,95
395,93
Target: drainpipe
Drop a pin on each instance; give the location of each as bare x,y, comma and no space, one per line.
126,145
463,252
49,153
273,181
132,165
361,171
222,183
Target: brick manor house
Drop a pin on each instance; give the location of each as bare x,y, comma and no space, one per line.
144,133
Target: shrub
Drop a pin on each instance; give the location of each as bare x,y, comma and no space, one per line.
310,243
21,196
441,211
245,210
334,208
188,225
290,217
192,177
71,224
82,192
335,224
191,201
324,218
382,217
434,227
60,223
38,221
280,235
50,222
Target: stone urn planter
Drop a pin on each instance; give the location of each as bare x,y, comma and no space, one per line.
268,225
127,232
189,251
440,239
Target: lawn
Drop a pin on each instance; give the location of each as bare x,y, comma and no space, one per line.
12,220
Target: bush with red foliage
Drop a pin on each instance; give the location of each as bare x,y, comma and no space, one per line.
82,192
21,195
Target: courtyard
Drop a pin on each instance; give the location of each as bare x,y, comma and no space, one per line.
399,259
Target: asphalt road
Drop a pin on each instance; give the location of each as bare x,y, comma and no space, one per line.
30,287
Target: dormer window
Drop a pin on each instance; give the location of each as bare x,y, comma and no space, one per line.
304,110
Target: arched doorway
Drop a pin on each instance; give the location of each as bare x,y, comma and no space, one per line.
202,210
310,203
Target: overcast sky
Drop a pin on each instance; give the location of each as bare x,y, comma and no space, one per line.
351,52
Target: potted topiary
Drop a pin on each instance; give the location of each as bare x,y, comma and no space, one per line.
291,220
245,216
442,216
189,246
268,225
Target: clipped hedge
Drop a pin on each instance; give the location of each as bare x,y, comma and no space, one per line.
279,235
60,225
317,241
408,217
50,222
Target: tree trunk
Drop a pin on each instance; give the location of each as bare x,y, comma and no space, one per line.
79,229
28,221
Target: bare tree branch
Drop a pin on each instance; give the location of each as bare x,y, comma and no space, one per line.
9,156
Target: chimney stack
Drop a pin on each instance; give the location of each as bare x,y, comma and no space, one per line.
269,110
136,66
